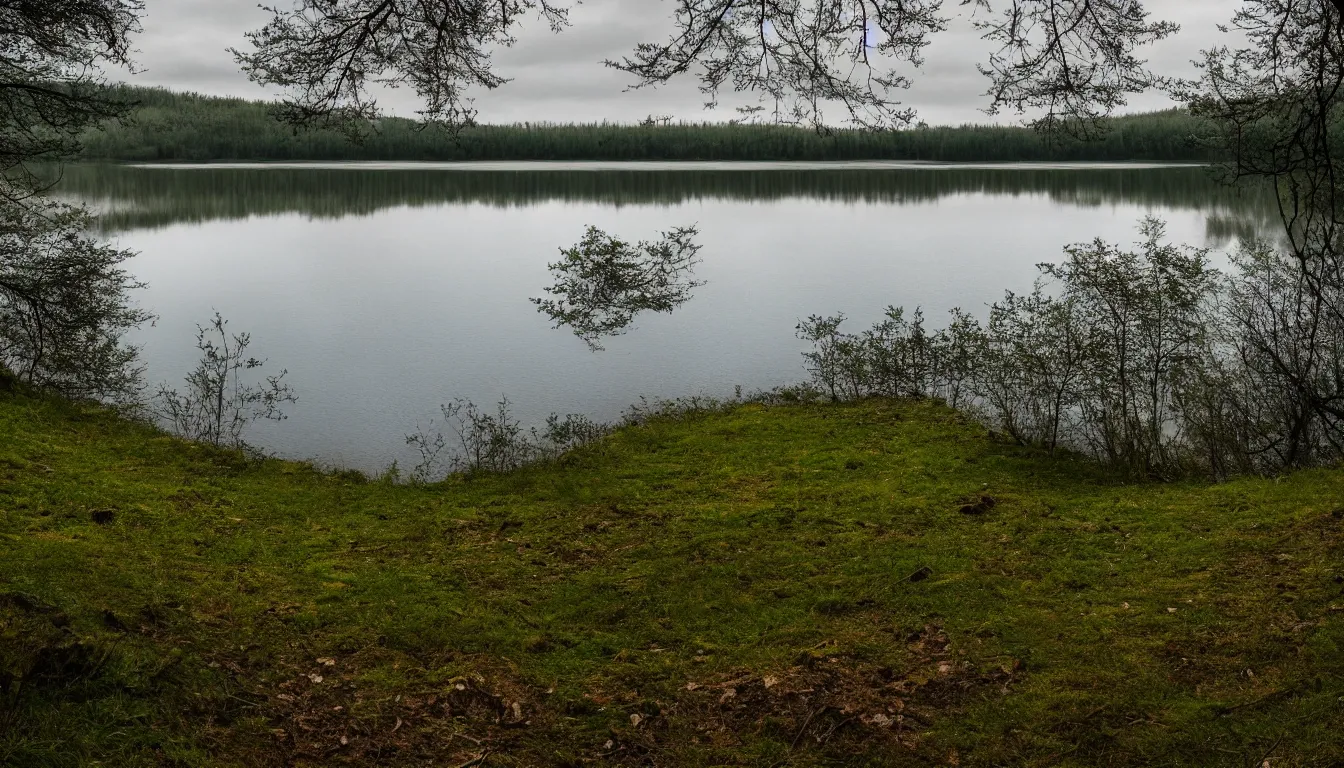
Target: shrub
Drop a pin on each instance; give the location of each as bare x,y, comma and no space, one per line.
217,404
65,304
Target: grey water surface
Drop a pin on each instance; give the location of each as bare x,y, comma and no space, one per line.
387,289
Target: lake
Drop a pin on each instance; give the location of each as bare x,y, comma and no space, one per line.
387,289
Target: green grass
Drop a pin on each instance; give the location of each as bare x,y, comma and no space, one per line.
721,589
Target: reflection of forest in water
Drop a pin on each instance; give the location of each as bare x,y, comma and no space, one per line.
147,197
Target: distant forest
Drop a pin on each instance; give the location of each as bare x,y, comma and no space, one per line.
186,127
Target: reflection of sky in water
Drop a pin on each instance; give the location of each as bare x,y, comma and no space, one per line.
379,318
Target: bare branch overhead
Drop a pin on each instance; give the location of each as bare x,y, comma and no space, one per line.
810,62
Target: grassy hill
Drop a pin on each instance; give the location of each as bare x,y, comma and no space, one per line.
763,586
168,126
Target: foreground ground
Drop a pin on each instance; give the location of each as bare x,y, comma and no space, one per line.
782,586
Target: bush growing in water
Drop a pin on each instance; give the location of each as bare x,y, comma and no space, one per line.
1148,360
217,405
603,282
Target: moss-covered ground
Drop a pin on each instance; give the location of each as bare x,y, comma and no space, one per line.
879,583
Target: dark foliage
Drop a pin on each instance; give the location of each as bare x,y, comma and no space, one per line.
169,126
603,282
51,89
328,53
64,303
1067,63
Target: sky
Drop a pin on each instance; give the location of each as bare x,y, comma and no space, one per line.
560,78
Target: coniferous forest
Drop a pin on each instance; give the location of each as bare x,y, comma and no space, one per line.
185,127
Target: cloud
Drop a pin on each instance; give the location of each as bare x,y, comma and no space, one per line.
560,78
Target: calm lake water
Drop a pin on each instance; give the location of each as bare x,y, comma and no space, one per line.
388,289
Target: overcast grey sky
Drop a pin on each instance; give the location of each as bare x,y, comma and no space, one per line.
559,78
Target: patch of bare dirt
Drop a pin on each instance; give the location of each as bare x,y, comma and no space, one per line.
825,708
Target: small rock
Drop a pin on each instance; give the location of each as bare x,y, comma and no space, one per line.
923,573
978,505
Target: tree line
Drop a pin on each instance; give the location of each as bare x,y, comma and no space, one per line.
165,126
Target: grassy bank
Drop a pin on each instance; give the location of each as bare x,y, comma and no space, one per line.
803,585
167,126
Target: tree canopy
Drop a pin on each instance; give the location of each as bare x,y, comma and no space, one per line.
1072,60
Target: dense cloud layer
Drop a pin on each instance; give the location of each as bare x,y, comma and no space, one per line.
560,78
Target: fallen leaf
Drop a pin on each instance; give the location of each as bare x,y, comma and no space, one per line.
327,662
728,694
1171,610
636,719
316,678
692,686
1125,606
770,681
